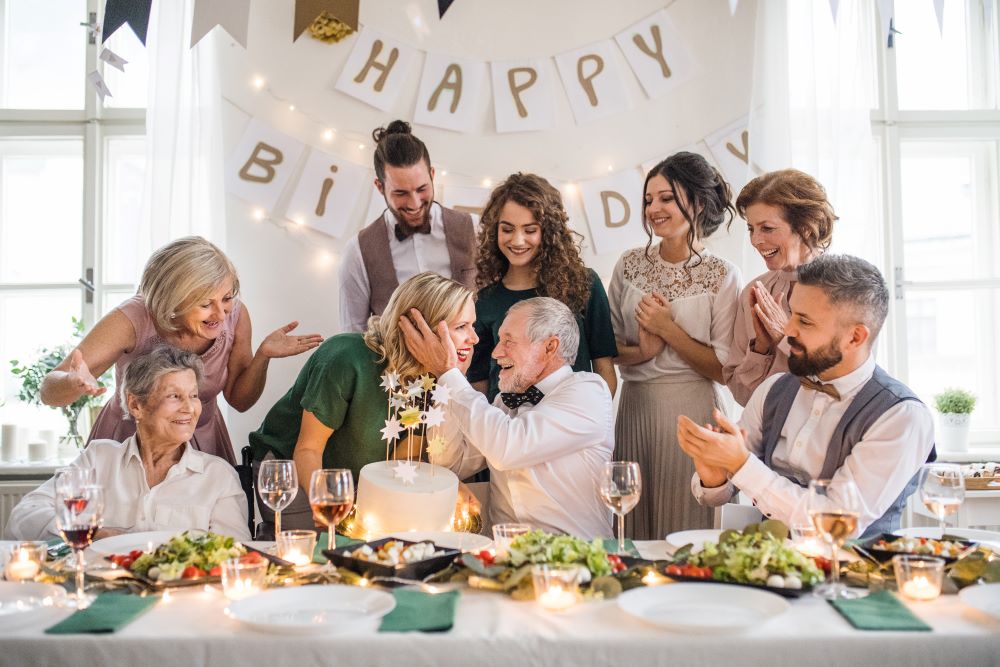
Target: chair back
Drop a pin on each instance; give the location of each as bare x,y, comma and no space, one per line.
245,472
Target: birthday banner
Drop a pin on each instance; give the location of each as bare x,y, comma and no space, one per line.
291,180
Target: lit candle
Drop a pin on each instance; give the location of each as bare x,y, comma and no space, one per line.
22,566
242,588
653,579
811,547
921,588
556,598
296,557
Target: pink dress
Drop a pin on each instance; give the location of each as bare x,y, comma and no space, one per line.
211,435
745,369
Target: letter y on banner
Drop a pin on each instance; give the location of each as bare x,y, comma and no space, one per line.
261,165
654,50
376,69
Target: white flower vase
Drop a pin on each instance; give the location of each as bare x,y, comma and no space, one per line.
953,432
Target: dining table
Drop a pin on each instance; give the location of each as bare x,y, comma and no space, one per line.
191,627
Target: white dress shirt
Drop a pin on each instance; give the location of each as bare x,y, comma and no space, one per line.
418,253
881,464
545,459
201,491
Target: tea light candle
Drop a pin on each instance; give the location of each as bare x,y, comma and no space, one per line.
241,580
811,547
25,561
296,546
556,588
918,577
921,588
241,588
557,598
652,578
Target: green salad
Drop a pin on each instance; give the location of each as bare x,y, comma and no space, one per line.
187,555
541,547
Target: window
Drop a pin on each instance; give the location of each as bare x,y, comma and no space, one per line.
71,182
939,130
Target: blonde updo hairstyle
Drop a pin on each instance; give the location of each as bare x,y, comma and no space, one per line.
180,275
437,298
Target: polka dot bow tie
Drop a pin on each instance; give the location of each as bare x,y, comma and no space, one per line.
514,401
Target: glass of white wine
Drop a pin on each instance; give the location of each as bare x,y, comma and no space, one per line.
620,486
278,484
942,489
331,496
834,511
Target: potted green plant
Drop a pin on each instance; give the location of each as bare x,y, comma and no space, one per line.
31,376
954,408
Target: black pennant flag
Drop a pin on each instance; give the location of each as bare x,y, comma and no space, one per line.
119,12
443,6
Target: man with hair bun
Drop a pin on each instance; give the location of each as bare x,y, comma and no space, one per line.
414,235
836,415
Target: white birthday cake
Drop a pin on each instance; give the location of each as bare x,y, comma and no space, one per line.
388,503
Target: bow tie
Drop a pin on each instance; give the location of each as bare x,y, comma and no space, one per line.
826,388
530,395
404,232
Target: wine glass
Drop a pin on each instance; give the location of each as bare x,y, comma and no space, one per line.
834,511
70,481
331,496
620,486
78,517
942,489
278,483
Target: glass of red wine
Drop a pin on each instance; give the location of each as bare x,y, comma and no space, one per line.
78,517
331,496
69,481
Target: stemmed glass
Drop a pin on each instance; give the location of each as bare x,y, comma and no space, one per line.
620,486
69,481
331,496
942,489
278,483
78,517
835,514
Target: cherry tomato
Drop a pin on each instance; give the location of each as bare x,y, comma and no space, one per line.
215,571
135,553
487,557
674,570
251,557
191,572
823,563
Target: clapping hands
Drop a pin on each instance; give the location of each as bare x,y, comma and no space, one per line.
769,318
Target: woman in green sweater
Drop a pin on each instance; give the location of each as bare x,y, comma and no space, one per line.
526,249
332,415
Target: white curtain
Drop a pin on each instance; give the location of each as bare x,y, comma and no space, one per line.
184,191
813,91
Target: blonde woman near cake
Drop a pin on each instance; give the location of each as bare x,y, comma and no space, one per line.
333,414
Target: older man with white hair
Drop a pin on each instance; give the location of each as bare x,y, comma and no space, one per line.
548,433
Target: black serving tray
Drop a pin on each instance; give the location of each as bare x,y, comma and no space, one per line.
341,557
884,555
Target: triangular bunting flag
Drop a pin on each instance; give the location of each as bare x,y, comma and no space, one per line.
443,6
834,5
113,59
133,12
732,6
306,12
97,81
885,17
233,16
939,13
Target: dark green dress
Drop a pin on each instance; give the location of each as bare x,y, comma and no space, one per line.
597,337
340,385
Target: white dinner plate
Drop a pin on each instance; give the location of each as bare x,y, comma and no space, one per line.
122,544
702,608
460,541
984,597
987,537
22,604
312,609
693,537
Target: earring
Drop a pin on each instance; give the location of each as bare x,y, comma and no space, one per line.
173,316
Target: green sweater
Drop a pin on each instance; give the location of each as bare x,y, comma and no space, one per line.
340,386
597,337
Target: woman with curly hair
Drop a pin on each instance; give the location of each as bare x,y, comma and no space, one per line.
673,307
790,223
526,249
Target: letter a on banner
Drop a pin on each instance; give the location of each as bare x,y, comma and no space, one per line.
327,193
451,93
376,69
261,165
656,54
613,205
523,95
593,81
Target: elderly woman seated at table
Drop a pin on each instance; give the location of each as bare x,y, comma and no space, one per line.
155,479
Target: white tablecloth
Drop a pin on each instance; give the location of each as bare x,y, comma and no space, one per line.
191,629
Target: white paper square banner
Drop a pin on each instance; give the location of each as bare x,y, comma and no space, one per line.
466,200
260,166
376,69
524,95
613,205
451,93
327,192
656,53
700,148
731,148
593,81
376,205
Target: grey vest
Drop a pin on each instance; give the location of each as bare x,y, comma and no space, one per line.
879,394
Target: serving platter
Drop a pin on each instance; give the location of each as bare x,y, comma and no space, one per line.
699,609
341,557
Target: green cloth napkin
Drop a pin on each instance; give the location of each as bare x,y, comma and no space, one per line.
425,612
110,612
611,546
64,550
340,541
879,611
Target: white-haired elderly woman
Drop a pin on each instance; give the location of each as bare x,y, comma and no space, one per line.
187,298
154,479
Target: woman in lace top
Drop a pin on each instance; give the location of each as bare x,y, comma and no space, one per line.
790,222
187,298
673,305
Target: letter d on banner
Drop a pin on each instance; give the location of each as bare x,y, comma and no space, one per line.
613,211
260,166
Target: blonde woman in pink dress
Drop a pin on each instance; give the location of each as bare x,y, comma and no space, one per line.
790,223
188,298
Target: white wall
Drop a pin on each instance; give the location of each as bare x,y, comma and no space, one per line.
290,273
